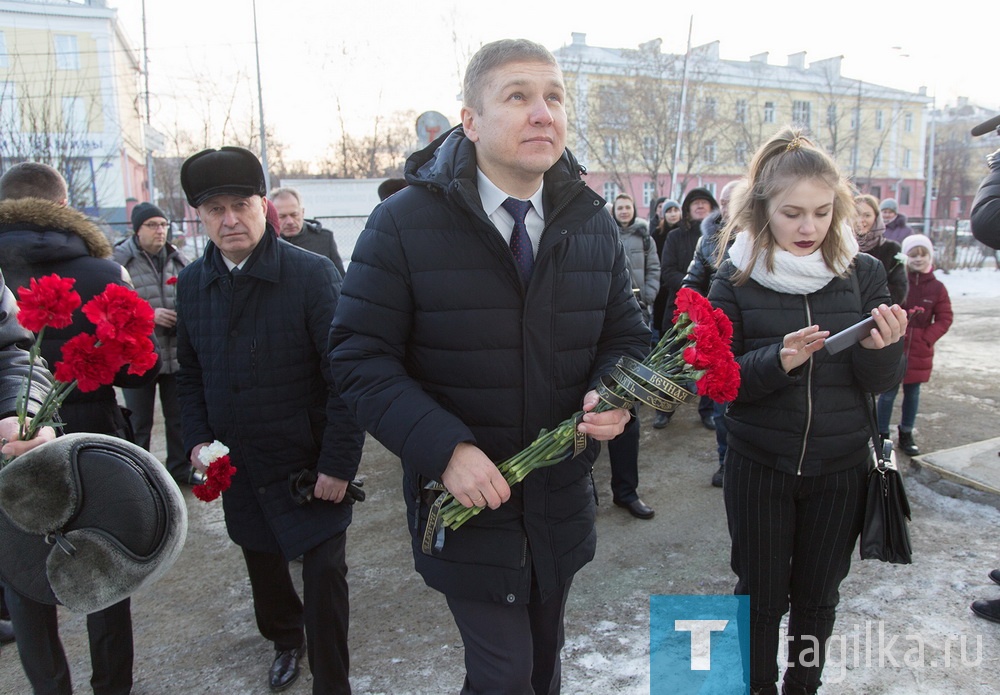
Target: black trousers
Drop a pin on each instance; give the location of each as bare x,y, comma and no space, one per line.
512,650
792,541
142,402
623,452
325,615
36,628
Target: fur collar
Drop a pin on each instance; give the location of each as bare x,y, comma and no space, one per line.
46,215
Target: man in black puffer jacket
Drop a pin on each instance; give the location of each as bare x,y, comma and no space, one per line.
464,330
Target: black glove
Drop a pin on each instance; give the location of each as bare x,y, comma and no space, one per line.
301,487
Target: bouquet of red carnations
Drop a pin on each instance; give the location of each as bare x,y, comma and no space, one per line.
695,350
123,323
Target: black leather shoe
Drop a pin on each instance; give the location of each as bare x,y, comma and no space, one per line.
907,445
995,576
661,420
194,477
719,476
637,508
990,610
6,632
285,668
708,421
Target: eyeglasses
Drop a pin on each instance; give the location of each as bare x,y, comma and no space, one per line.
156,225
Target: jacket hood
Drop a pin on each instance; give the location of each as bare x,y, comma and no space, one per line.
712,223
44,215
453,156
693,195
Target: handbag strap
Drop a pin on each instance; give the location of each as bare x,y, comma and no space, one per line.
881,447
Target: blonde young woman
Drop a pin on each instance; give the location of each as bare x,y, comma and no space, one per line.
797,459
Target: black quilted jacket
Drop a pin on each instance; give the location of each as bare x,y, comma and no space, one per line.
254,375
815,419
437,341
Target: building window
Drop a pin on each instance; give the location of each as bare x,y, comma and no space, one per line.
649,148
801,112
908,122
879,119
907,159
831,115
648,192
9,117
708,152
904,195
611,147
3,51
710,187
876,191
80,181
769,112
740,153
741,110
610,191
709,108
67,53
74,116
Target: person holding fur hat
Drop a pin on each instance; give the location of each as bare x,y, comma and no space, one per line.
40,235
153,264
929,309
253,317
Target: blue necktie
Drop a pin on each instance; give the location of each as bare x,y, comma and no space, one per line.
520,244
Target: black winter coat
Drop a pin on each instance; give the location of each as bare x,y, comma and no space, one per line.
15,342
314,237
254,375
702,269
985,218
814,420
895,269
437,342
39,238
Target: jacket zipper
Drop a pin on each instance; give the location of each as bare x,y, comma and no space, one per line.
809,402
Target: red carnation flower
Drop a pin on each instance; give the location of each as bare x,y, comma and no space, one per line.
120,315
218,478
172,280
139,355
47,301
89,364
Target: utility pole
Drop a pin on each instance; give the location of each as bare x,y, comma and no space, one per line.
928,193
260,101
680,118
149,150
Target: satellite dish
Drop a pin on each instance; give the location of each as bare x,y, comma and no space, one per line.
430,125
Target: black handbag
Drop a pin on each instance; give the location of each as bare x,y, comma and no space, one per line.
885,535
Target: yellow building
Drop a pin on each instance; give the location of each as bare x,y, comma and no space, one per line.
69,97
625,108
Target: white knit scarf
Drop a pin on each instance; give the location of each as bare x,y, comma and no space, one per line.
792,274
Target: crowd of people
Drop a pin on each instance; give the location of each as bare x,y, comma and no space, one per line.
486,298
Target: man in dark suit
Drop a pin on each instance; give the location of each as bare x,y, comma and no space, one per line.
254,315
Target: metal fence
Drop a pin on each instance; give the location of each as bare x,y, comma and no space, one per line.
189,235
954,246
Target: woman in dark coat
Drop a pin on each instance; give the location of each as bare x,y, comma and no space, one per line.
870,231
797,459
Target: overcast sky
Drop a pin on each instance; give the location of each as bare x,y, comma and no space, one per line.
386,55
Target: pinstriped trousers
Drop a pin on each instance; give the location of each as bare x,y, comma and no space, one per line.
792,541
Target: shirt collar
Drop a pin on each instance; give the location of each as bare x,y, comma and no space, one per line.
492,197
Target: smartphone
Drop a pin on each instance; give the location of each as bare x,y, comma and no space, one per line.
849,336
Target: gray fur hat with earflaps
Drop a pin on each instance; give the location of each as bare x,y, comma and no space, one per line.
86,520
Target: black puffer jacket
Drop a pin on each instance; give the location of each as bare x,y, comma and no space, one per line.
985,217
39,238
152,282
15,342
437,342
254,375
886,252
702,269
678,251
814,420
